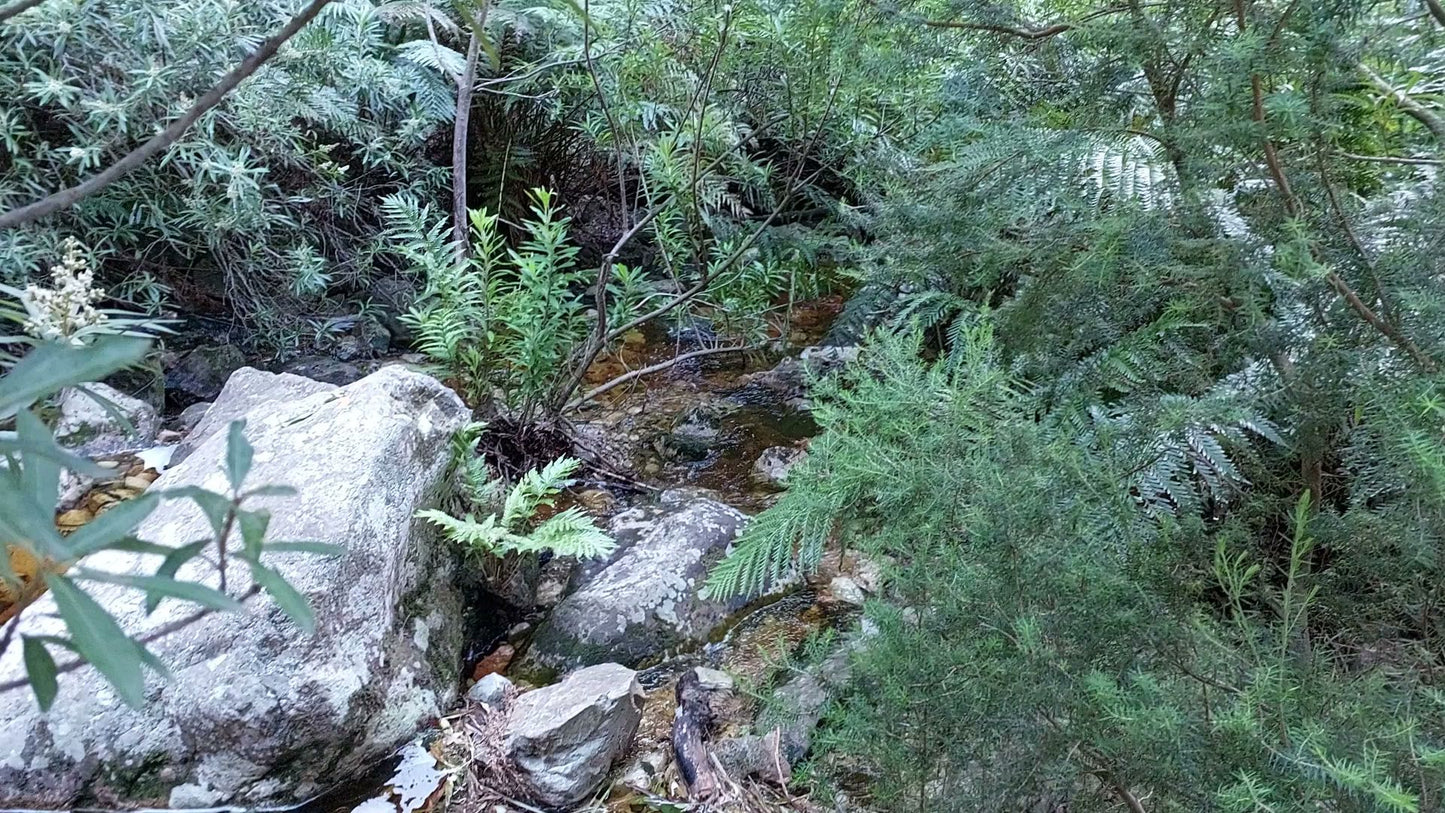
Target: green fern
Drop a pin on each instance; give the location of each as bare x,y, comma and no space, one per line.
567,533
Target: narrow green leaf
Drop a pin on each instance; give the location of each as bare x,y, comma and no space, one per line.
24,521
50,366
40,669
110,527
215,506
287,598
253,532
40,473
158,587
149,659
172,564
100,640
238,455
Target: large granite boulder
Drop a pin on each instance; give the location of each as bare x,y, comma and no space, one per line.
563,738
645,599
257,711
245,391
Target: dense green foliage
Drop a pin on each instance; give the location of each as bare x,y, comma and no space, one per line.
269,201
1162,518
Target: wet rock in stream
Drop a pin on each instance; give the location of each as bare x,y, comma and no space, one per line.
257,711
775,463
644,600
200,374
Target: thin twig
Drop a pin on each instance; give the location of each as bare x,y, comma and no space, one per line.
15,8
1391,159
659,367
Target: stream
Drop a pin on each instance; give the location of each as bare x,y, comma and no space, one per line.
635,427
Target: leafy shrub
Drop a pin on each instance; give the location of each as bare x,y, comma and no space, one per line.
505,319
513,531
269,200
511,536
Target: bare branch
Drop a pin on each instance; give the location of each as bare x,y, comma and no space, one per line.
6,12
1032,34
466,84
150,637
657,368
165,138
1408,105
1436,10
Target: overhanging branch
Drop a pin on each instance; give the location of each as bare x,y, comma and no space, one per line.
165,138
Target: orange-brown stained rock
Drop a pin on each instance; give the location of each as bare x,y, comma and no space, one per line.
495,663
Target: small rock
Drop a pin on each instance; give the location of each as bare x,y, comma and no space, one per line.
192,796
495,663
325,369
714,680
90,427
847,591
492,690
201,373
694,437
564,738
191,415
775,463
644,600
597,500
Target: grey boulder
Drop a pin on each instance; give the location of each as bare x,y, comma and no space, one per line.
645,600
564,738
246,391
775,464
100,420
200,374
258,712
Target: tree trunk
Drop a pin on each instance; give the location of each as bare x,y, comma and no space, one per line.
465,84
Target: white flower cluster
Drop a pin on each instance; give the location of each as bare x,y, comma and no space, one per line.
59,312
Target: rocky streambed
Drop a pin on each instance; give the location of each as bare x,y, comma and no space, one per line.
569,698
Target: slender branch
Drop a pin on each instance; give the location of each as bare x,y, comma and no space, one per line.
1294,208
606,109
1384,327
1411,108
657,368
992,28
1390,159
460,124
1353,236
6,12
600,334
165,138
1033,34
1436,10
